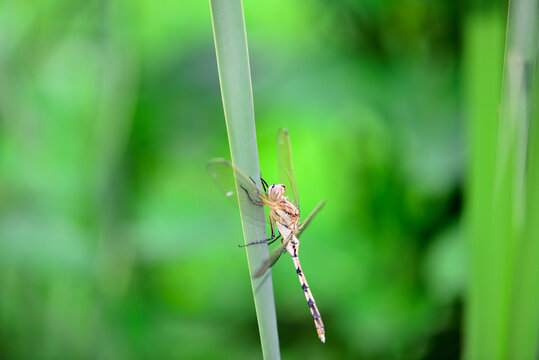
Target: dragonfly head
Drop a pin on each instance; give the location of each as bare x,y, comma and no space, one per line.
276,191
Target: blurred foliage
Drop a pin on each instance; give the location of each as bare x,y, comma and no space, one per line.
115,244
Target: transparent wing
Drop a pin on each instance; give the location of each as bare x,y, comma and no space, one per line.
222,172
305,222
272,259
286,169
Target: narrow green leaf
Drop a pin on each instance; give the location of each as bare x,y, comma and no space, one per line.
503,298
235,78
524,305
509,205
483,74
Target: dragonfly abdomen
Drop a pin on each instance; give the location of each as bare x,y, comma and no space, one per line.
293,250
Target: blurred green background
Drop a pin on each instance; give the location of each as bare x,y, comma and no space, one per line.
114,242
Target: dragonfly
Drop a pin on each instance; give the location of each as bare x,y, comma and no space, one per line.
284,212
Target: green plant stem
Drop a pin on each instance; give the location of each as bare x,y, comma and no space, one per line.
509,198
484,62
235,78
503,298
521,99
524,322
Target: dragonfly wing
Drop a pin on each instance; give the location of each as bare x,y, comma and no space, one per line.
272,259
286,168
304,224
222,172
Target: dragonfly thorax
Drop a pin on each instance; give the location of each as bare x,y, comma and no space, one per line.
276,192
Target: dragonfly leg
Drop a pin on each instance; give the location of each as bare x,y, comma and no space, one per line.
271,240
274,239
249,196
264,184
